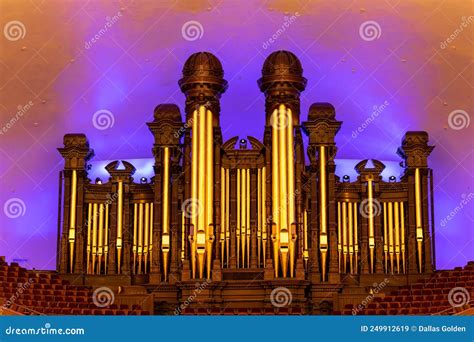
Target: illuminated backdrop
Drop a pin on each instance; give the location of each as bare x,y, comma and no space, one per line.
100,67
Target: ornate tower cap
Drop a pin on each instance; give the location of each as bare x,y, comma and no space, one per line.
282,67
203,68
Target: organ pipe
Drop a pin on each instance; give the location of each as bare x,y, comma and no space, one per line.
264,215
323,242
208,177
227,212
275,194
402,228
283,180
100,248
418,219
165,243
356,238
238,217
396,215
371,223
194,190
119,225
88,249
94,236
72,219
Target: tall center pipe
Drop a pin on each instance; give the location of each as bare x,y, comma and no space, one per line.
323,245
275,191
166,184
209,189
194,188
89,222
264,215
72,219
202,217
284,195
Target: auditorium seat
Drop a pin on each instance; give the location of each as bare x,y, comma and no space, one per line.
424,297
48,294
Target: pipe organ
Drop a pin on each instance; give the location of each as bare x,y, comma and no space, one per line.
245,209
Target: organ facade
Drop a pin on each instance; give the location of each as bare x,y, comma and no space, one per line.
246,216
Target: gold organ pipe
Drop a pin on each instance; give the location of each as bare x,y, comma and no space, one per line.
351,237
419,227
94,236
72,219
285,227
385,235
396,215
275,192
339,234
89,222
183,235
238,217
135,227
356,237
264,215
100,249
402,229
194,189
165,240
145,234
371,223
259,214
243,219
248,218
344,236
119,225
323,242
140,237
202,229
291,188
209,179
150,242
227,214
106,238
390,234
166,184
222,233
